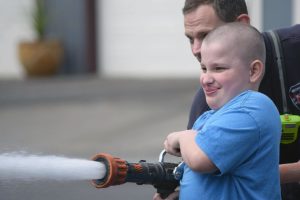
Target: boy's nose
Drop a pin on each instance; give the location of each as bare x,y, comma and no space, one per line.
206,79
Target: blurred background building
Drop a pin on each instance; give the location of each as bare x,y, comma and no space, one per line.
113,38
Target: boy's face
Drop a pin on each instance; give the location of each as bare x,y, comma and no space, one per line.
223,75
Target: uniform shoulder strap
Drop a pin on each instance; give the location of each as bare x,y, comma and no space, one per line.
277,49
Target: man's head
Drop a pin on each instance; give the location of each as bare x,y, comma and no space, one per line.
202,16
233,57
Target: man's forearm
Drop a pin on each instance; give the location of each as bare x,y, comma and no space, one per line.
289,172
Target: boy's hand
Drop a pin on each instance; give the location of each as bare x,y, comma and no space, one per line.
172,196
172,145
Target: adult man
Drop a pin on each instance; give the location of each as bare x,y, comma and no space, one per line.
202,16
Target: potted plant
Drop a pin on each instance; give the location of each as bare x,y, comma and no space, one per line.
41,57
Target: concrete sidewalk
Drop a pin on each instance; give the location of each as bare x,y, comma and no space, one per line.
81,116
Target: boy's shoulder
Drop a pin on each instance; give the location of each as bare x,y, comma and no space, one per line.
249,98
251,103
258,98
259,106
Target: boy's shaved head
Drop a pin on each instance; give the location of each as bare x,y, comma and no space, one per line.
242,38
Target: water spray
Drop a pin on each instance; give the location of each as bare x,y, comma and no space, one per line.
164,176
21,166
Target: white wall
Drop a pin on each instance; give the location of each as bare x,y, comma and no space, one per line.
15,26
143,38
255,8
296,12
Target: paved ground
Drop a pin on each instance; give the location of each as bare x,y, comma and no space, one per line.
81,116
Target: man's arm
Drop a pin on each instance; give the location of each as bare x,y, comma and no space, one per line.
290,172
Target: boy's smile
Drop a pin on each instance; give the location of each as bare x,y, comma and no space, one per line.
210,90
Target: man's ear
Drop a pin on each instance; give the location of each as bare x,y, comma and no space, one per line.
243,18
256,71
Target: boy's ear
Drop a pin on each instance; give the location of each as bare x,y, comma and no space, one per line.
256,71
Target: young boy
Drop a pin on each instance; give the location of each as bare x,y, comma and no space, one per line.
232,152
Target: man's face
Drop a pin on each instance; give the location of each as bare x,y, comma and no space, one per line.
198,24
223,74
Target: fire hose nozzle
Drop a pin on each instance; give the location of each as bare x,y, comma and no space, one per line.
116,170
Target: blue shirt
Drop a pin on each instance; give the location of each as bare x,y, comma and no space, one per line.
242,139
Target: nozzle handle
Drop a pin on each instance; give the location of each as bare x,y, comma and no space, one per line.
162,156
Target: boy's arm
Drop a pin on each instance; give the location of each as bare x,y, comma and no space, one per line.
183,144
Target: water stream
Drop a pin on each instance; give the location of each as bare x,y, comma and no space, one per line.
21,166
